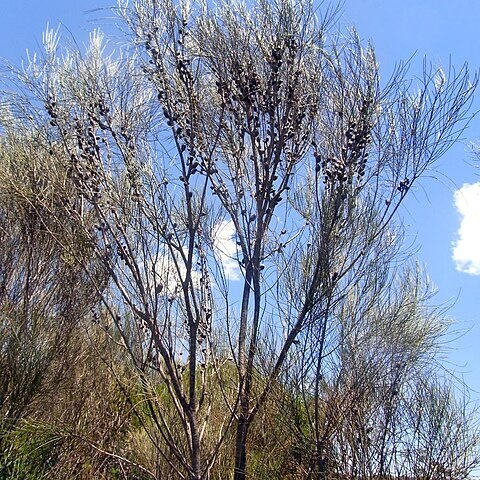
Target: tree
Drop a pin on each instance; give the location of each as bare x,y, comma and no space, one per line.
243,166
368,414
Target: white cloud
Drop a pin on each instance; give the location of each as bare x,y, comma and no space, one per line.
466,249
166,274
226,248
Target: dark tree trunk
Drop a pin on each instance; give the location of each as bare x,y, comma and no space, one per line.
241,449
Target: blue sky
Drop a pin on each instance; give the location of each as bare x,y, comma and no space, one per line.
23,22
442,30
